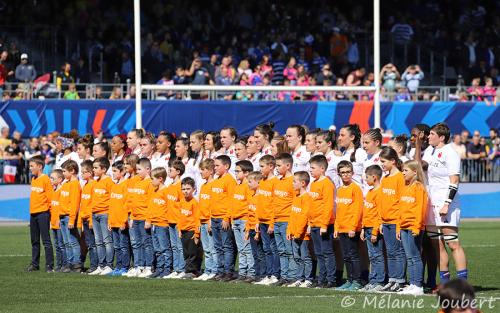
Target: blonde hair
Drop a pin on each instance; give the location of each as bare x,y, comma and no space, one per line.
416,167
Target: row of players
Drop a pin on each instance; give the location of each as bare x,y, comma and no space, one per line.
165,217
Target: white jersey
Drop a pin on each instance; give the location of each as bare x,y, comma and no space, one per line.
360,156
373,159
267,151
411,154
61,158
301,160
160,160
331,171
231,153
255,160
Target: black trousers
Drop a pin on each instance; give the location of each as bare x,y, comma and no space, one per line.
351,256
192,252
40,226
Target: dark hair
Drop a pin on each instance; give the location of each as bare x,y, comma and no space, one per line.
103,162
423,128
442,129
285,157
268,159
139,132
243,140
119,165
266,130
170,138
70,166
145,162
232,131
104,145
87,141
456,294
375,134
344,163
188,181
224,159
87,165
356,132
329,136
159,172
245,165
38,160
301,131
390,154
177,165
185,142
303,176
374,170
319,160
402,141
215,139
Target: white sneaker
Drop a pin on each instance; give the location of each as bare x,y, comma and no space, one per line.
106,271
306,284
137,272
171,275
209,277
405,289
97,271
412,290
180,275
145,273
295,284
272,280
201,277
263,281
131,272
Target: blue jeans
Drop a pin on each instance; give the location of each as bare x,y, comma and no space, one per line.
245,257
270,251
303,260
258,255
71,242
177,250
59,247
350,251
163,250
142,245
103,239
223,247
208,249
323,248
395,254
287,262
412,247
90,240
121,242
376,255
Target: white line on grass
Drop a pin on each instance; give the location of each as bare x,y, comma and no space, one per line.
13,255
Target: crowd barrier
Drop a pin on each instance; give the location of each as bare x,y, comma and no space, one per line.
36,117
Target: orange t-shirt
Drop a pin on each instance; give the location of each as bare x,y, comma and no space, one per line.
242,195
101,192
297,227
222,195
252,210
174,197
412,207
265,205
371,210
142,191
189,217
55,206
205,202
349,208
391,187
283,198
41,193
86,203
321,212
118,213
158,208
130,195
69,200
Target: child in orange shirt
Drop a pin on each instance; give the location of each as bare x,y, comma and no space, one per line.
371,229
242,196
321,220
157,221
298,233
348,224
250,232
41,193
101,192
85,214
265,219
221,197
189,229
117,220
140,237
391,187
69,201
56,179
413,205
207,173
282,203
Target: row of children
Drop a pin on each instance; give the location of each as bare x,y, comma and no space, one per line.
279,224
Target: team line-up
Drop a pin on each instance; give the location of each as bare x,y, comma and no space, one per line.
286,216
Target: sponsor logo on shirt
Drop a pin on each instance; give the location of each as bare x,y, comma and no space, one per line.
343,201
186,212
369,205
54,203
100,191
239,197
171,197
158,201
204,196
389,192
138,191
37,189
217,190
86,196
296,209
115,196
265,193
65,193
408,199
314,195
281,194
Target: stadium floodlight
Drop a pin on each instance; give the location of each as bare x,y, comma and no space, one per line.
212,88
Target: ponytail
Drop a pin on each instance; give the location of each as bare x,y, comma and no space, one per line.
266,130
390,154
356,132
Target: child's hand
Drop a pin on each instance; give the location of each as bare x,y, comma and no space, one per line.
122,227
147,225
362,235
322,231
180,234
257,237
247,236
415,234
381,230
270,230
196,240
308,230
71,226
374,239
335,234
398,236
288,237
130,224
109,228
257,227
352,233
225,225
209,228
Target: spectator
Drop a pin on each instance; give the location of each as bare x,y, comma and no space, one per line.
65,76
180,76
212,66
459,147
131,93
4,138
355,78
98,93
325,74
475,150
402,94
389,76
290,72
71,93
489,91
5,70
127,67
278,66
402,32
33,148
25,72
82,73
412,77
225,80
116,94
265,67
199,73
493,137
338,46
353,53
475,91
244,68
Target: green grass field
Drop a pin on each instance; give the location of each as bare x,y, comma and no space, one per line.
41,292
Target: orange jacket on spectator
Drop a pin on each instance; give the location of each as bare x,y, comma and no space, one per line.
241,197
412,207
101,193
391,188
189,217
158,207
55,206
349,208
321,212
252,210
129,194
297,227
283,198
142,191
265,205
85,213
118,213
221,196
41,193
174,197
205,202
69,200
371,210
